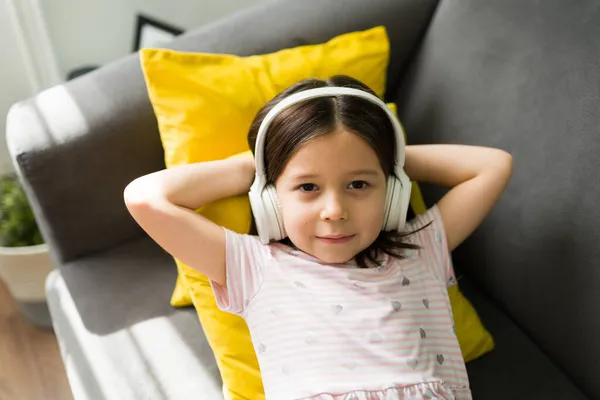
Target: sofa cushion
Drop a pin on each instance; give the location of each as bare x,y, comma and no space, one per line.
118,335
524,76
517,368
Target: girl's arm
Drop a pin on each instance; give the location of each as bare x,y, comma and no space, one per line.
163,204
476,175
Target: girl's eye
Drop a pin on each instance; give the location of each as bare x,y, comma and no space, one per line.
307,187
359,185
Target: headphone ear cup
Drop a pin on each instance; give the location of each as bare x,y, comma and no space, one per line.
397,202
279,215
273,217
391,183
260,213
401,200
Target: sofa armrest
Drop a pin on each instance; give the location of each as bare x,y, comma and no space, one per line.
75,147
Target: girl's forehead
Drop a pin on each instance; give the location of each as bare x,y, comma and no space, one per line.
339,153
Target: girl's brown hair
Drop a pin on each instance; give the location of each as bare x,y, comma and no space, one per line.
306,121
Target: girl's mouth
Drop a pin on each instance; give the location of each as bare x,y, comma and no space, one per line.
335,239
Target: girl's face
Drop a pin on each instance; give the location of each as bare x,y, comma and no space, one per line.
332,194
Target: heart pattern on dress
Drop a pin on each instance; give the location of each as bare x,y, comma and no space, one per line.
412,362
276,310
336,308
426,303
396,305
440,358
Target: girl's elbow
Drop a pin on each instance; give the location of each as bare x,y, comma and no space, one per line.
138,193
502,163
502,169
143,206
506,163
131,194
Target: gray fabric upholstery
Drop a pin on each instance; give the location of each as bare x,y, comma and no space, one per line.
523,76
120,338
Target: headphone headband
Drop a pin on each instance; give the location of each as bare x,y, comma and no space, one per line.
326,91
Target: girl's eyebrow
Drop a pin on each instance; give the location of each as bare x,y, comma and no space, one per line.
364,172
371,172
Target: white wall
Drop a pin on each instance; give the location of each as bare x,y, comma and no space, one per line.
95,32
16,76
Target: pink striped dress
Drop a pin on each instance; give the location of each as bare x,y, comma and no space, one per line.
343,332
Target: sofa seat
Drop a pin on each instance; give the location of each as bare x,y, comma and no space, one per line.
516,368
120,338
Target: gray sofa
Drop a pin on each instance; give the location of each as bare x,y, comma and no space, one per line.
519,75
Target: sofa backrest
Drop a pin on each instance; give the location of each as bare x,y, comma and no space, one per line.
525,77
78,145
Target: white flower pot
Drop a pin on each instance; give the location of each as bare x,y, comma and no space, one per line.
24,271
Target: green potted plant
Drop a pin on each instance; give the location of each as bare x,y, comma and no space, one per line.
24,257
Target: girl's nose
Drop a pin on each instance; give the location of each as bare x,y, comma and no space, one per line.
334,208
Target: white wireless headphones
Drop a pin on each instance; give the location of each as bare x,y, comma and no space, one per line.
263,197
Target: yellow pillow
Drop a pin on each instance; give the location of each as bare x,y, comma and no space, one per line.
181,294
204,105
472,336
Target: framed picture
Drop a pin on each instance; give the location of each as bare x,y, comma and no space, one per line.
150,32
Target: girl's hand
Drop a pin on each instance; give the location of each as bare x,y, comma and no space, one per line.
477,176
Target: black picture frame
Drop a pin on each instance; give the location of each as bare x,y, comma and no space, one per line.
143,22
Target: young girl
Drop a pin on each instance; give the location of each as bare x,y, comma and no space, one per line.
345,300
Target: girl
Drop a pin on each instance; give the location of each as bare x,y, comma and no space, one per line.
343,304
